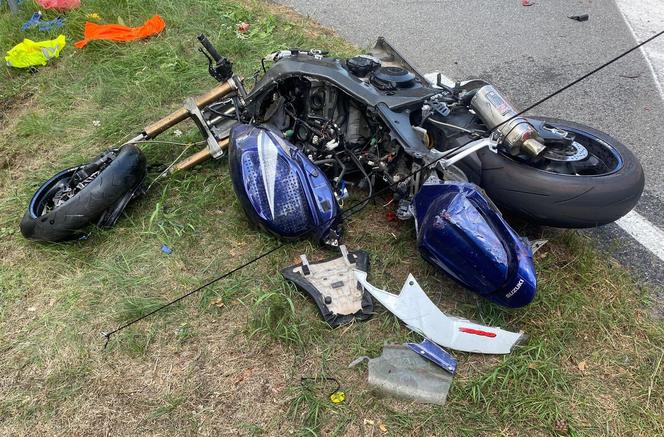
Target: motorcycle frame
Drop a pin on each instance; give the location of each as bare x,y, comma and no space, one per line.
216,146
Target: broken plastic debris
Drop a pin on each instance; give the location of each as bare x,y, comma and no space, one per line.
118,32
536,245
243,27
338,397
333,286
417,311
401,372
31,53
167,250
582,17
32,22
434,353
52,24
358,360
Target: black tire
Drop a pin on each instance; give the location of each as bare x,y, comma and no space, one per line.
564,200
105,196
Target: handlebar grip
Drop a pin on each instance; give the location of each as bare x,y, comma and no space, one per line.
209,47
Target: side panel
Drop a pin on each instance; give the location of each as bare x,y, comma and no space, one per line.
460,232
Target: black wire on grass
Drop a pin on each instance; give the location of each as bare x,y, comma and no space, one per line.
353,208
306,380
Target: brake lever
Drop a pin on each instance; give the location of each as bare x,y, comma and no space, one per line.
219,67
209,59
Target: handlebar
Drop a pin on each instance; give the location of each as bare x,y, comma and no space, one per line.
219,67
209,47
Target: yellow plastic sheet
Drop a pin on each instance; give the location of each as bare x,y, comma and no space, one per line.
30,53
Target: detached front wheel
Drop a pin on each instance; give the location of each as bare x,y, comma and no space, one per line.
592,181
93,193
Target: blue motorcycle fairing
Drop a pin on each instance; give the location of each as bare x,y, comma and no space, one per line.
459,231
279,188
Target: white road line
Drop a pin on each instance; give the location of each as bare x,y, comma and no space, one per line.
649,235
645,18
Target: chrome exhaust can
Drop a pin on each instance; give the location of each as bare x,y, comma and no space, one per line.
494,110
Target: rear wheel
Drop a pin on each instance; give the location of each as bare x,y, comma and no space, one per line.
590,181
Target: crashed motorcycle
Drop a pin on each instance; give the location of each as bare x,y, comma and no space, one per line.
314,128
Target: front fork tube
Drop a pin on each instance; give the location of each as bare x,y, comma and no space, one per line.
191,109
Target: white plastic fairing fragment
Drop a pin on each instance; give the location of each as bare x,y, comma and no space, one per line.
417,311
268,156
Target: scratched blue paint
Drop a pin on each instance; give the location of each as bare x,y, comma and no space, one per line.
460,232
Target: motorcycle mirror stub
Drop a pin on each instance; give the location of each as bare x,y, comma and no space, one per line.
279,188
461,233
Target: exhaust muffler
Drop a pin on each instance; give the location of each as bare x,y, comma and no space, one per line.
494,110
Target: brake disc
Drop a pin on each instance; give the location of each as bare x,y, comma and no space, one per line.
568,153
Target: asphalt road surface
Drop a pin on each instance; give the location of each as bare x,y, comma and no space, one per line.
529,52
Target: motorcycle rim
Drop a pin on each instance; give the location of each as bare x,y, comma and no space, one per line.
588,155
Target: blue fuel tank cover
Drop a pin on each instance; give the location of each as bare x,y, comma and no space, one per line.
461,232
279,187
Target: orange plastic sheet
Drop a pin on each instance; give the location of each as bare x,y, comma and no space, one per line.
118,32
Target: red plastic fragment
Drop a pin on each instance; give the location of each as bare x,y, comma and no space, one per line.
477,332
526,3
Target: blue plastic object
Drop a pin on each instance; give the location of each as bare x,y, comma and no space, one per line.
167,250
459,231
279,188
35,21
52,24
32,22
434,353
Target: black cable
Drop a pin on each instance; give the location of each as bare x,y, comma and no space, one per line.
304,380
221,114
606,64
359,165
452,126
107,335
352,209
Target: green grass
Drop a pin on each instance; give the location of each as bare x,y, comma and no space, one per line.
206,368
